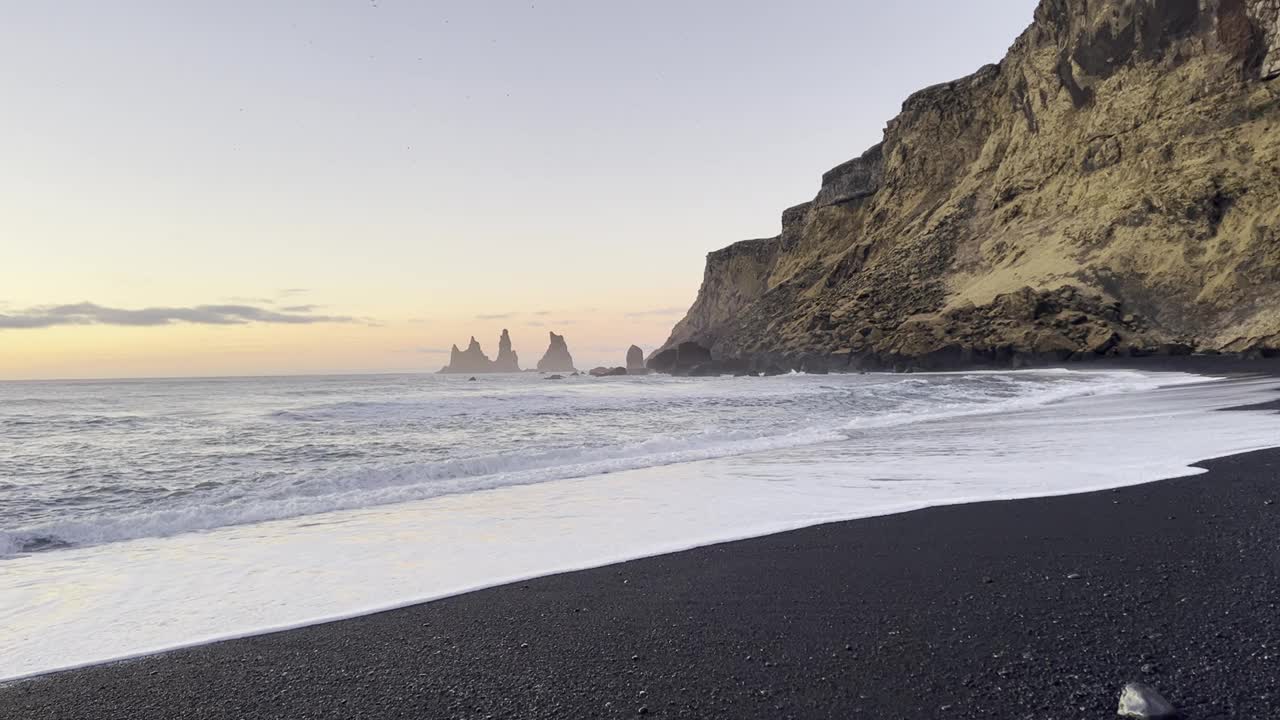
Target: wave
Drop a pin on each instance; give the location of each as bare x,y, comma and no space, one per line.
282,497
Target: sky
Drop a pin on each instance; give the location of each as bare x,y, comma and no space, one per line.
240,187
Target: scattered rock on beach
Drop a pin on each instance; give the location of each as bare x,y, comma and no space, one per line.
1142,701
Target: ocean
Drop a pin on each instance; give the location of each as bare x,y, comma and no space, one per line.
139,515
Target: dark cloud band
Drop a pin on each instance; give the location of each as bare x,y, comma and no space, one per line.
87,313
658,311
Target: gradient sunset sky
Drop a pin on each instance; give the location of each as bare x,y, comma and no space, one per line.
256,187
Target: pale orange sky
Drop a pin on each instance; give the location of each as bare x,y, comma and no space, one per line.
419,172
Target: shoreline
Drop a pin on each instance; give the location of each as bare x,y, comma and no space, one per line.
694,628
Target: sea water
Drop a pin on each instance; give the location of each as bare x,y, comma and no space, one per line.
149,514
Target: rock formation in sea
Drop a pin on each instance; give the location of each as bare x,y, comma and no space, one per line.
1110,188
557,357
473,360
607,371
635,359
682,358
507,360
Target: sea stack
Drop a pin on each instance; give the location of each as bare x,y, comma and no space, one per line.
557,357
471,360
507,360
635,358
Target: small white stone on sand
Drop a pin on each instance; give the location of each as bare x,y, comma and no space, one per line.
1140,701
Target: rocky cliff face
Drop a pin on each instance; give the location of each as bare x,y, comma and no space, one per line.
557,357
1111,187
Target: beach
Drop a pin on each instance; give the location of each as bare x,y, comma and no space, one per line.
1027,608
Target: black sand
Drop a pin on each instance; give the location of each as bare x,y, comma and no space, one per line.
1025,609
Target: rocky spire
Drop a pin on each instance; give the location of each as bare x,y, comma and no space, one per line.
557,357
471,360
507,361
635,358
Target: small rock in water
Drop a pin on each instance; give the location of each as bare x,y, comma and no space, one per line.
555,377
471,379
1141,701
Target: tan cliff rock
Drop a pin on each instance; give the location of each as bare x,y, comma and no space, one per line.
1111,187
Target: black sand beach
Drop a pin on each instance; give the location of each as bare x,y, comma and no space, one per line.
1024,609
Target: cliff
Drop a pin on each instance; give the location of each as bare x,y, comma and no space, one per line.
1111,187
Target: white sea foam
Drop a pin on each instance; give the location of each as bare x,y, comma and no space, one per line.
918,441
805,415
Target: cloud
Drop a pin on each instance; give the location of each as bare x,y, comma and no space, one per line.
87,313
429,350
300,308
658,311
289,292
497,316
542,312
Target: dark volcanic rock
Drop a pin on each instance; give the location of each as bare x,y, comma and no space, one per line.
853,180
557,357
608,372
680,359
507,360
635,358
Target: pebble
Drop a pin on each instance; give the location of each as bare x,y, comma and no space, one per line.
1142,701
